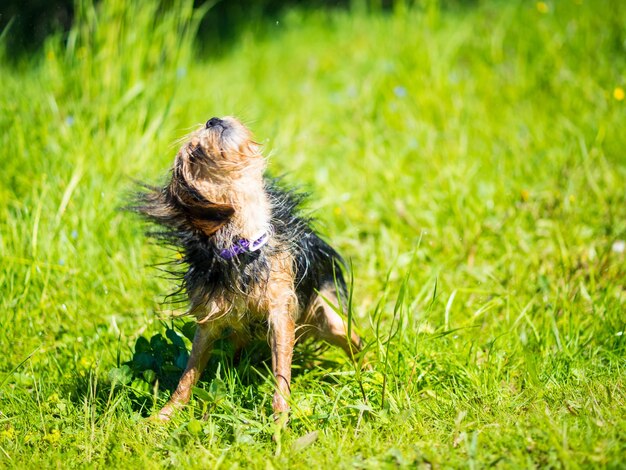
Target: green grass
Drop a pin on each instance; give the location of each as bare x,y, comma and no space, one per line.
470,162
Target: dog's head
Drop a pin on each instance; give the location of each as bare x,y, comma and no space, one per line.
222,144
214,161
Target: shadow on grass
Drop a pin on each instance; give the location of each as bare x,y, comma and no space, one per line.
150,376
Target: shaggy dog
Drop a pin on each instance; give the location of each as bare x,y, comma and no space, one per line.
250,258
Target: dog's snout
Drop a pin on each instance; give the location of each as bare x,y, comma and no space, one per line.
213,122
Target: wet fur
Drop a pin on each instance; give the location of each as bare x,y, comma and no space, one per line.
218,194
203,272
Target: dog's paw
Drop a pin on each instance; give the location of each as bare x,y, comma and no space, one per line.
279,404
164,415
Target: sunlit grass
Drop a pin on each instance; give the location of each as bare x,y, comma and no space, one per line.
469,162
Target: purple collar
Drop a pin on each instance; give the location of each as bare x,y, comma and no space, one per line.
244,245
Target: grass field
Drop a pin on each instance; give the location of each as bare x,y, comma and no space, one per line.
469,161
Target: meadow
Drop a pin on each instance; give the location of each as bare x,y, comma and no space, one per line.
468,159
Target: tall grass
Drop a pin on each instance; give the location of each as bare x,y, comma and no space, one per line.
468,161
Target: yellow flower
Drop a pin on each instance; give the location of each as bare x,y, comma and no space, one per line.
8,433
53,437
542,7
524,195
619,93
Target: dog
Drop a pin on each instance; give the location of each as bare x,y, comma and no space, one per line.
250,257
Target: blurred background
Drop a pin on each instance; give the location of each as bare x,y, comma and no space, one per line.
33,20
467,158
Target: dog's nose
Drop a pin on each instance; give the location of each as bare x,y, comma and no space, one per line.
213,122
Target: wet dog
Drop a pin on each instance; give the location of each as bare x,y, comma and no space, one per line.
250,257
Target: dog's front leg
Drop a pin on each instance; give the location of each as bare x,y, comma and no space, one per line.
282,339
200,353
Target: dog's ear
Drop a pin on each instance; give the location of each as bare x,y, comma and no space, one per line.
202,214
209,217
